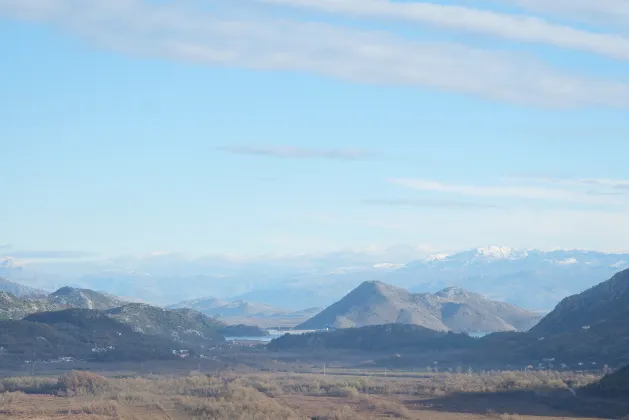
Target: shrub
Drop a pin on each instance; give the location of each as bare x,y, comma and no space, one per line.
82,383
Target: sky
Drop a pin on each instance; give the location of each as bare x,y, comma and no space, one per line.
255,127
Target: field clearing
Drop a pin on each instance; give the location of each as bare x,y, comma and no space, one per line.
276,396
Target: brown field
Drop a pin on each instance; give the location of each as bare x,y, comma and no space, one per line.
269,396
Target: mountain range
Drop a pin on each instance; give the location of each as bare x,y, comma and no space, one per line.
177,325
532,279
451,309
585,331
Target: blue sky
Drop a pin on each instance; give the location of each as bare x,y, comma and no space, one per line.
299,126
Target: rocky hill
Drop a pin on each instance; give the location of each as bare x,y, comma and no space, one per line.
13,307
452,309
19,290
85,298
607,302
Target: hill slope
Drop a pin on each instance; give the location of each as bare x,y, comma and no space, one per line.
182,325
80,333
452,309
14,307
607,302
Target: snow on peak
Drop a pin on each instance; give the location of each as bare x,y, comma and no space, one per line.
437,257
567,261
500,253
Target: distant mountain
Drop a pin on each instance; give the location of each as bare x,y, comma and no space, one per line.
452,309
240,311
19,290
606,303
531,279
205,305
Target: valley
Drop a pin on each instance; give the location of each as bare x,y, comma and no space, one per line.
379,352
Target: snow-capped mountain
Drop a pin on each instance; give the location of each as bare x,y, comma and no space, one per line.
529,278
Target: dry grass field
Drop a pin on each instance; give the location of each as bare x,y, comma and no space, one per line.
276,396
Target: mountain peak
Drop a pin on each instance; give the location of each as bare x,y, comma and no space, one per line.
64,291
453,308
450,292
499,253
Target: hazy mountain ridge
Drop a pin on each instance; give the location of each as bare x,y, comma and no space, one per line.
452,309
241,311
530,279
19,290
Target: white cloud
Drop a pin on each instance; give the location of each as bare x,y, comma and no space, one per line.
508,191
180,31
605,11
509,26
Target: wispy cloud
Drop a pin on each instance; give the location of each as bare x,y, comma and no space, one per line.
48,254
503,25
429,203
185,31
290,152
594,186
605,12
548,193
